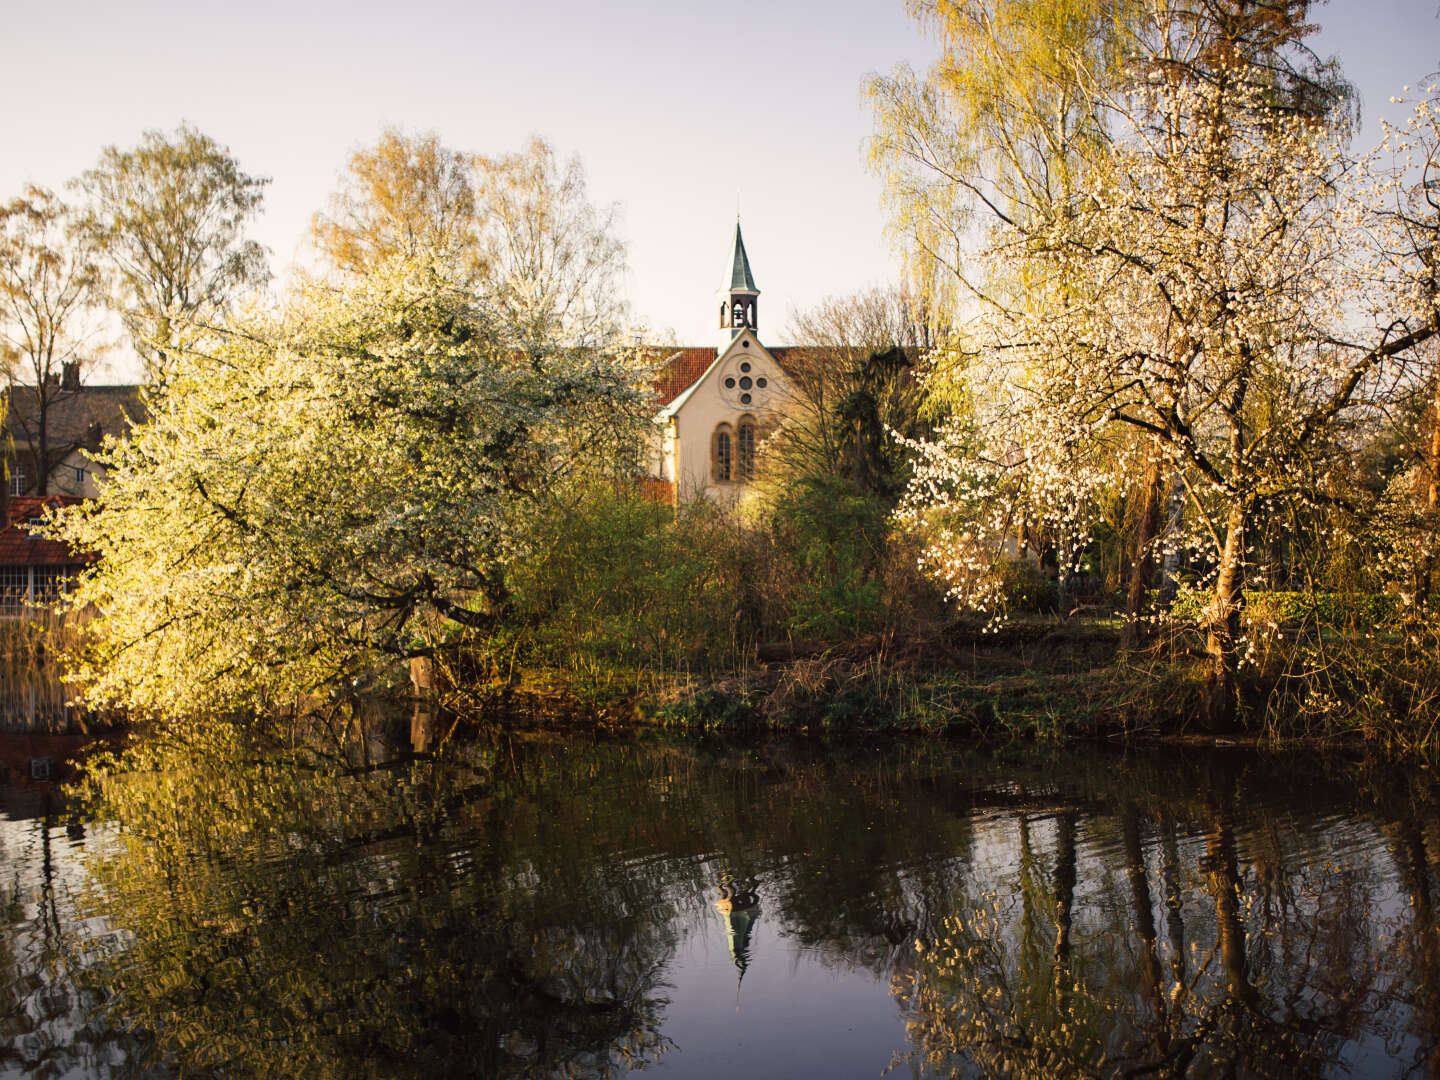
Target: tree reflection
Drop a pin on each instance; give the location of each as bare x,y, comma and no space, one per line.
1238,986
512,909
314,923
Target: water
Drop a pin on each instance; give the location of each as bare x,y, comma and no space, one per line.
590,909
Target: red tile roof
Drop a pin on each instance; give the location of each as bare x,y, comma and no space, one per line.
19,548
679,370
684,365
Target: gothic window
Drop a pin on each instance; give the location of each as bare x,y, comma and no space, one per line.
745,448
720,469
722,312
739,314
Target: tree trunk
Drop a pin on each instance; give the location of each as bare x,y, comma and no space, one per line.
1222,631
1425,571
42,449
1142,565
1170,563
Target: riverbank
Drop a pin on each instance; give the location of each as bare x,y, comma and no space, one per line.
1039,679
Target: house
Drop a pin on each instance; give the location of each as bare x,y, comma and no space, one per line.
715,405
34,570
56,428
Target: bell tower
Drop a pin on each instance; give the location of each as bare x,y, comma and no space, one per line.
739,298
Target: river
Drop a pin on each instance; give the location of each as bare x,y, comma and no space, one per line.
577,907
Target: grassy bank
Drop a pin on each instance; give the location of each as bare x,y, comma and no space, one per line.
1035,678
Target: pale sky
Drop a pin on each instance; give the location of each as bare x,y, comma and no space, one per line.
671,106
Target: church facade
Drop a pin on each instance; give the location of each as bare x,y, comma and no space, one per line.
716,405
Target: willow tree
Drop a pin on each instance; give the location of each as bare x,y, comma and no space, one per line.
331,489
1209,287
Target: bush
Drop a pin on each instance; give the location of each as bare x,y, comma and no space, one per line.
832,542
1027,588
621,579
1292,608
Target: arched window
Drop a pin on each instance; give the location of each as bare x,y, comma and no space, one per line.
723,308
739,314
720,461
745,448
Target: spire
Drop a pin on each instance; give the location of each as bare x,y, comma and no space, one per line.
740,276
739,298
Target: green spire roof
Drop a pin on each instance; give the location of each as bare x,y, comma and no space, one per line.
740,276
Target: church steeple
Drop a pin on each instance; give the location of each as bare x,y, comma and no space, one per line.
737,309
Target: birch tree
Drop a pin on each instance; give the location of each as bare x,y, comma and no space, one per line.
48,280
169,217
519,228
406,195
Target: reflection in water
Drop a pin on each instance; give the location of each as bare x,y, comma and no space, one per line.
535,909
739,906
31,701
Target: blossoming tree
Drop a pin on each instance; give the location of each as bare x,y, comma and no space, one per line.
1221,285
333,487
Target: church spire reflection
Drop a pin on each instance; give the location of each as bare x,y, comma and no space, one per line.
739,907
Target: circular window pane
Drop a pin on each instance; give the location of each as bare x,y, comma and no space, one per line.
745,382
745,366
744,399
760,382
729,384
745,344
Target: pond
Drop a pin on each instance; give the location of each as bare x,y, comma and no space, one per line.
538,908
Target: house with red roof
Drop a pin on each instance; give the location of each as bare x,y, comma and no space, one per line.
715,405
34,570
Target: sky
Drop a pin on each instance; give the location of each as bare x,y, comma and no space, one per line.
677,110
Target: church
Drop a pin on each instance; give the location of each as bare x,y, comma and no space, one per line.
715,405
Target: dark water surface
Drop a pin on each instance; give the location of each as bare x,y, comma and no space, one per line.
544,909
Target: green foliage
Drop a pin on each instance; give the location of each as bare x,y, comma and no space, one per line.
1027,588
834,537
619,579
708,712
330,492
1292,608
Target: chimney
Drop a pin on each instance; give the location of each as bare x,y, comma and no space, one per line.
70,376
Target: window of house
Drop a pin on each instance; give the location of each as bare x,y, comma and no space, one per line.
17,480
79,475
50,583
14,587
745,449
720,463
